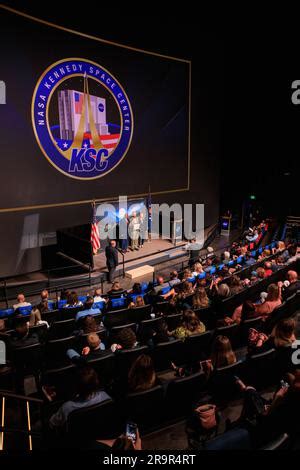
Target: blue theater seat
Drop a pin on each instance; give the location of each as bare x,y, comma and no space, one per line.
6,312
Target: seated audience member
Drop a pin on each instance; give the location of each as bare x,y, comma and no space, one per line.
249,259
201,283
98,297
200,299
136,289
294,254
72,300
174,279
22,336
235,285
65,294
222,354
161,286
187,274
279,416
125,339
277,263
260,273
253,278
219,291
21,302
244,312
197,269
43,307
265,254
210,252
272,301
88,394
44,295
116,290
181,298
226,257
190,325
152,336
142,375
293,287
283,334
35,318
93,349
208,265
138,302
88,309
89,325
268,269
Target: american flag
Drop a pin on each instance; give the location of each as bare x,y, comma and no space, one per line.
95,237
78,103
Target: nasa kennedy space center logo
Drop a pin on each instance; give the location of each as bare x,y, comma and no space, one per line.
82,118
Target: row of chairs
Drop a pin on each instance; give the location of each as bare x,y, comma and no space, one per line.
197,347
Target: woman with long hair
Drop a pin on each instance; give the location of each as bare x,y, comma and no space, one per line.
283,334
222,354
200,299
272,301
191,325
142,374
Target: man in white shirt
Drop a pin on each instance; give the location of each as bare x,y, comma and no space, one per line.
21,302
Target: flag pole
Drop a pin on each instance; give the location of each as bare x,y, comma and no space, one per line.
149,203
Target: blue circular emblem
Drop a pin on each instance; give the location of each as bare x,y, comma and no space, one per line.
82,118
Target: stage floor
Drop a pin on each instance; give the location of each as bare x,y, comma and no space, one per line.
150,248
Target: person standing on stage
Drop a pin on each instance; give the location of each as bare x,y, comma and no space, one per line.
134,231
143,230
123,232
112,261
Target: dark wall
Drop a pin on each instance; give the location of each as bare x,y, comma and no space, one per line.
19,231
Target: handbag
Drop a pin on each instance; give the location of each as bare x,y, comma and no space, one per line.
207,416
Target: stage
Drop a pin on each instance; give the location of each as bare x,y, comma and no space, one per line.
161,254
152,253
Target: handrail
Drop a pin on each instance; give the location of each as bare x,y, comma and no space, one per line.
6,394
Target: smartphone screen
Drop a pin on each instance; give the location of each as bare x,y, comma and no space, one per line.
131,431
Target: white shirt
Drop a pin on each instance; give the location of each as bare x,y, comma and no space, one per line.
21,304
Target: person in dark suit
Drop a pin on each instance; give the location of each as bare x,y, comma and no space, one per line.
112,262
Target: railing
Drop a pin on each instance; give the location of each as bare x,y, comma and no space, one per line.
49,282
27,430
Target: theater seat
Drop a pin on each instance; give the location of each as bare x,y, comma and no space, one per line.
55,351
183,393
173,321
222,383
102,421
62,329
166,352
146,408
231,331
261,370
197,347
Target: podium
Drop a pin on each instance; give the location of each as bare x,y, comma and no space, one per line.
225,225
176,231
